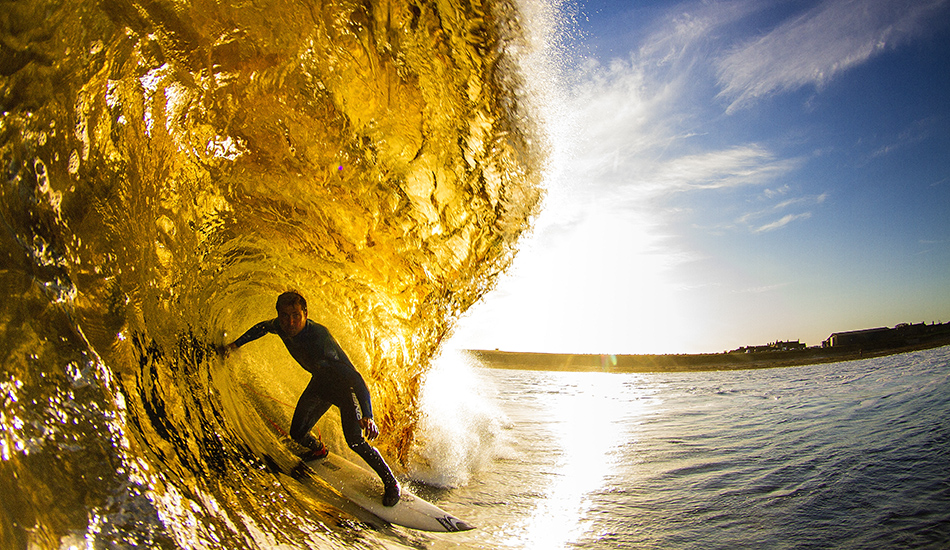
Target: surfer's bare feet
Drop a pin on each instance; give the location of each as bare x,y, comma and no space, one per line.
391,495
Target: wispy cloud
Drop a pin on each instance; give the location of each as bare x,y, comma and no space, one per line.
737,166
813,48
785,220
753,220
634,132
640,131
918,132
680,39
809,200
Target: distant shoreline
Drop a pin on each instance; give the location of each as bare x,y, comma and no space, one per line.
683,363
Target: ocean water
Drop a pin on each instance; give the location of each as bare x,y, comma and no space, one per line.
842,455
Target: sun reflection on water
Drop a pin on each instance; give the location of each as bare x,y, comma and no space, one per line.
590,415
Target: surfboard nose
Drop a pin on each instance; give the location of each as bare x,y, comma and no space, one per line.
454,524
462,526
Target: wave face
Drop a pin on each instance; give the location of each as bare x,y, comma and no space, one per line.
169,168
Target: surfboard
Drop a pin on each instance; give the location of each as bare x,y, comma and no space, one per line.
365,489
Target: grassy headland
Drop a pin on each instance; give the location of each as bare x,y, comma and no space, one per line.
686,362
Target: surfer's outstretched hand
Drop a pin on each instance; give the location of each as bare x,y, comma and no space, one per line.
372,432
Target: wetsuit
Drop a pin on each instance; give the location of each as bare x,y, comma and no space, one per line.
335,381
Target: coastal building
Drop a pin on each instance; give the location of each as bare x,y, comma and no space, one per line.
904,334
870,336
778,345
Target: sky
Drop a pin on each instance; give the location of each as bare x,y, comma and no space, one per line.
732,173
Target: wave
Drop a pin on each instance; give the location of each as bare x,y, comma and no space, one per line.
169,168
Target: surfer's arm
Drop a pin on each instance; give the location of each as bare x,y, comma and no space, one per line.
362,395
253,333
366,406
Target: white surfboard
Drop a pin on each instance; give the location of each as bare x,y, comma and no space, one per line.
365,489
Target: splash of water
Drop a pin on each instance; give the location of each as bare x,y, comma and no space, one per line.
460,431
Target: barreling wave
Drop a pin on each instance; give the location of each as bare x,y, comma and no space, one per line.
169,167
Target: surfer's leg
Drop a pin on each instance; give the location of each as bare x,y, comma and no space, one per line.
375,460
310,407
354,438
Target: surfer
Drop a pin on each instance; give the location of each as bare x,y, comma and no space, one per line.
334,381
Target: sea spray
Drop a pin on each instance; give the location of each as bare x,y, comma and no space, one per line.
460,431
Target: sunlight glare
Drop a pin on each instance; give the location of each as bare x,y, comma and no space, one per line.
459,431
584,293
592,416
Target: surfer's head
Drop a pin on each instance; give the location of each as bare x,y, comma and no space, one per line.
290,298
291,312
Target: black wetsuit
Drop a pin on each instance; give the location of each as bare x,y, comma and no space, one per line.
335,381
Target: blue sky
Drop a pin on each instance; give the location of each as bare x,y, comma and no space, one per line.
734,173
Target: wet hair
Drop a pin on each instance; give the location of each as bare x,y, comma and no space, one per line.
290,298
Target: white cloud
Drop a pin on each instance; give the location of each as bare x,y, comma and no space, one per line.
813,48
633,140
682,39
916,133
749,164
750,218
785,220
811,199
